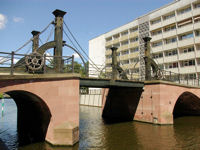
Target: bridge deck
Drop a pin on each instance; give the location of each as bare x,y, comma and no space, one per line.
106,83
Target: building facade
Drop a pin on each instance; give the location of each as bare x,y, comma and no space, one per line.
175,43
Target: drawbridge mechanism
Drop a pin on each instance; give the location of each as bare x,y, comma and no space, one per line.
34,61
150,64
116,69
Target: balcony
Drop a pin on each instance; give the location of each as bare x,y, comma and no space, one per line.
185,42
155,26
197,39
116,41
156,37
169,59
197,25
169,21
198,53
108,52
185,56
173,70
169,33
132,45
133,34
133,55
108,43
198,68
185,29
170,46
187,69
123,57
157,49
109,61
184,16
124,47
123,38
196,11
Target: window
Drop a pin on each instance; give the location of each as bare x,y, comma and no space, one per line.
133,50
153,33
156,21
156,44
169,16
197,33
116,36
198,47
170,28
134,40
125,42
171,52
186,36
197,5
158,55
188,63
125,52
171,65
187,50
185,10
171,40
108,39
133,29
116,45
124,33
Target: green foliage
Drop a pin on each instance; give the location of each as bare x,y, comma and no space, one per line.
1,95
78,68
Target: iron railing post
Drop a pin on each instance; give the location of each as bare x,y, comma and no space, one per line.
72,63
45,63
179,80
170,76
12,63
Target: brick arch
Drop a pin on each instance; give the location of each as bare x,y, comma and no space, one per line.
33,116
187,104
61,95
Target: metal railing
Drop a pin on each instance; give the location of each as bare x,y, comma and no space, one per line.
16,63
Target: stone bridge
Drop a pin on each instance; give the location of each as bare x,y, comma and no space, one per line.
48,104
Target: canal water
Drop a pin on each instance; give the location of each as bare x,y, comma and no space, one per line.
96,135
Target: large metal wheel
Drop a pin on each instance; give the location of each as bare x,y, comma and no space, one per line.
34,61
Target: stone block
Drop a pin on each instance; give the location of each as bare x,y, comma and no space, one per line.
66,134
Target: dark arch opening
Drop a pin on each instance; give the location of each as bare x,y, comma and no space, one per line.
33,117
187,104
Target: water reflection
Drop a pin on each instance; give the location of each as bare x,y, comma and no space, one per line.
95,134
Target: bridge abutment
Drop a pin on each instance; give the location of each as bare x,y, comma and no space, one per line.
60,95
156,104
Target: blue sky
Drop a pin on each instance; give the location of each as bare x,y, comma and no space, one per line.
86,18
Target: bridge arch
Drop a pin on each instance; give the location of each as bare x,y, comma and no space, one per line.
33,116
187,104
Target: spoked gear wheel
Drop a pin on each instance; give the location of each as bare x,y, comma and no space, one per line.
34,61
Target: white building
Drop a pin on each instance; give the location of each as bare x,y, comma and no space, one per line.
175,44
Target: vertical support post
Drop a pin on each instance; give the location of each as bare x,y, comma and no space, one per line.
12,63
187,79
170,75
35,44
72,63
58,37
114,63
45,69
147,56
179,80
